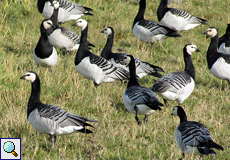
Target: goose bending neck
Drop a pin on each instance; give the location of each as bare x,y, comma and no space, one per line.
182,116
189,67
133,81
141,12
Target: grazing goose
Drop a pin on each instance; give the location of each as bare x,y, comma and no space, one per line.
44,53
192,136
92,66
68,10
177,86
63,37
142,68
150,31
177,19
224,42
218,63
49,119
138,99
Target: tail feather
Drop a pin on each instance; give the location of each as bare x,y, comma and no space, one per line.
215,145
88,9
84,130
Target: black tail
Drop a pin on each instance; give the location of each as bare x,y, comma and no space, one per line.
84,130
88,9
215,145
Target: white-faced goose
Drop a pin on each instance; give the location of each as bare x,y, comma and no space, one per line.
44,53
68,10
49,119
139,99
150,31
177,86
92,66
121,59
193,137
218,63
177,19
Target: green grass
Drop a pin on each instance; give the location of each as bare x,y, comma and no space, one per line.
117,136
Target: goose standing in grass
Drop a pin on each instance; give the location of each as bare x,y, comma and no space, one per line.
218,63
63,37
177,19
224,42
177,86
49,119
138,99
150,31
92,66
193,137
68,10
44,53
142,68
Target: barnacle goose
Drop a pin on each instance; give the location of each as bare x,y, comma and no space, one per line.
224,41
177,19
68,10
44,53
63,37
118,59
178,85
150,31
92,66
218,63
49,119
193,137
139,99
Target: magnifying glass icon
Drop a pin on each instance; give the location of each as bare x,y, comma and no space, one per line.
9,147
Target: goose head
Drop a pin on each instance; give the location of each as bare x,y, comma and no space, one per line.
212,32
191,48
81,23
29,76
108,30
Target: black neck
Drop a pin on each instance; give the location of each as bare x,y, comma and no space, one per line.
41,4
182,115
43,49
212,51
141,12
133,81
107,51
83,50
162,9
54,17
35,96
189,67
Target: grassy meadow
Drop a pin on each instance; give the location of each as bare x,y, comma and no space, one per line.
117,136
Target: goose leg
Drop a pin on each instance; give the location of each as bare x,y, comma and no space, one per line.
137,119
146,119
53,140
166,103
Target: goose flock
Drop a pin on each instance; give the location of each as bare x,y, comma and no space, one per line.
191,137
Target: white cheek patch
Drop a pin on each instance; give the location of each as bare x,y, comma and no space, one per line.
30,77
46,25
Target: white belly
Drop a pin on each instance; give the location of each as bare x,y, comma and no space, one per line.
179,94
90,71
142,108
42,125
221,69
57,39
51,61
